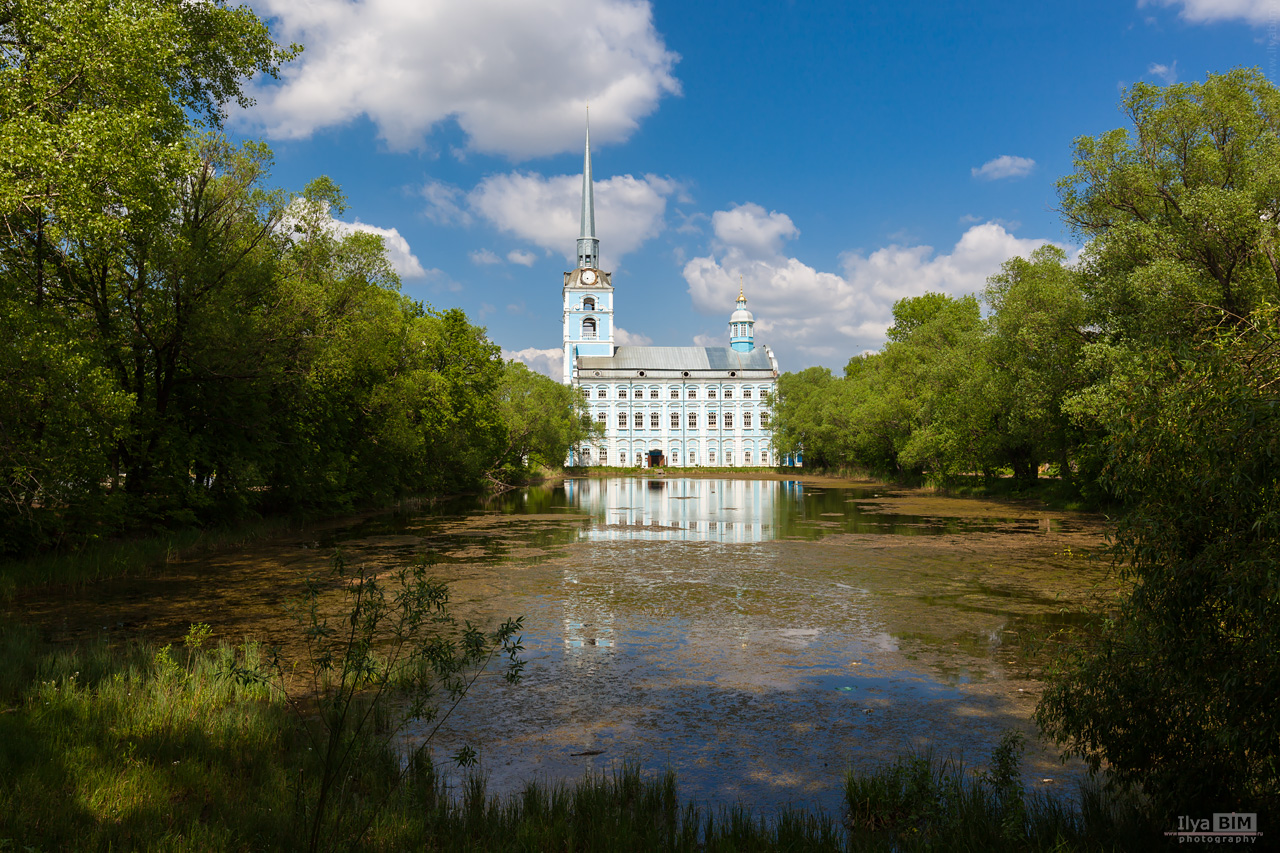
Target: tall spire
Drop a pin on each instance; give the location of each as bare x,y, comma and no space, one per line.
588,245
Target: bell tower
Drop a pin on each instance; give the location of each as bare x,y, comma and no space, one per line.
588,291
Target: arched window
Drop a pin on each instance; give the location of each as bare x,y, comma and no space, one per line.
588,304
589,329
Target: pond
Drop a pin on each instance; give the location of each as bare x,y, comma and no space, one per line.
758,636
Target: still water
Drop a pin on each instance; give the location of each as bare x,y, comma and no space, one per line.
757,636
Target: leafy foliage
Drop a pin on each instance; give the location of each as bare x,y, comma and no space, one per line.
185,343
1178,693
543,418
396,636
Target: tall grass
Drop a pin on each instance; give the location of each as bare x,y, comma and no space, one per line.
922,802
130,747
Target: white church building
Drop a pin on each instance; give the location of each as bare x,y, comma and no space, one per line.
673,406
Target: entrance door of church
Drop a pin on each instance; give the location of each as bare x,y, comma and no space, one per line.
657,459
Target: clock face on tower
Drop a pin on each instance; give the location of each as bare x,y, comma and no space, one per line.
588,276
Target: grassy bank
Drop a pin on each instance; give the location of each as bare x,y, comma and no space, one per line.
132,747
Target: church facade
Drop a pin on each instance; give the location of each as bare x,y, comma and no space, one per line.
672,406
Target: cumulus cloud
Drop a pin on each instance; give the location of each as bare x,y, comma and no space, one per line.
548,362
812,316
515,76
1256,12
546,211
623,338
524,259
1004,166
484,258
747,229
1167,73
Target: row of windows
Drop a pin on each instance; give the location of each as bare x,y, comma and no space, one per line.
740,330
655,420
603,456
602,393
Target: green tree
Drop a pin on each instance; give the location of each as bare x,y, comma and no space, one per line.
97,99
1033,353
543,419
1177,692
1182,213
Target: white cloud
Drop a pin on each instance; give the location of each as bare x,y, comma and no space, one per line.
1167,73
548,362
623,338
546,211
444,203
748,229
1256,12
809,316
516,76
1004,166
517,256
484,258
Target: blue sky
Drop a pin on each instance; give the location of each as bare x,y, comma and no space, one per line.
837,156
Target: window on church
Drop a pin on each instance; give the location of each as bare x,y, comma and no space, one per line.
653,420
728,420
728,457
746,420
622,420
746,457
711,457
639,420
675,393
693,420
693,393
653,393
589,329
675,457
728,393
764,419
588,304
604,456
601,393
711,393
746,393
586,393
639,457
675,420
693,457
622,393
711,420
764,457
600,417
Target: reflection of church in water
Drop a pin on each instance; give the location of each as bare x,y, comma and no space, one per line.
631,509
673,510
676,406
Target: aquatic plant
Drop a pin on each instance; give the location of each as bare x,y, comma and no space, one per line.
396,655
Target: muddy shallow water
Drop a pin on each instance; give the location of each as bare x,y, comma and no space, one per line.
757,636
